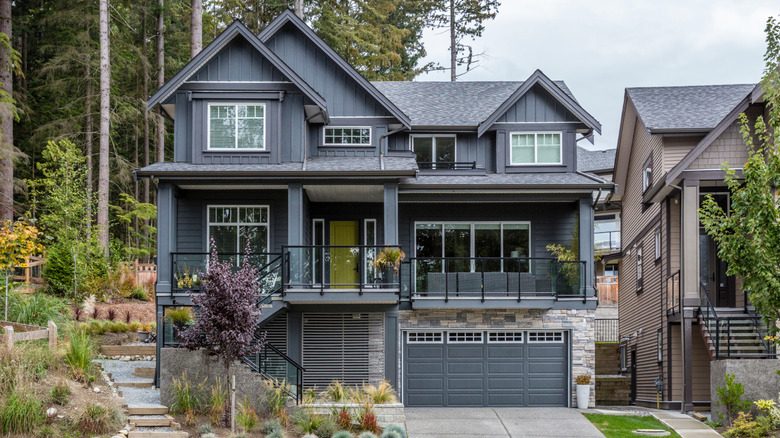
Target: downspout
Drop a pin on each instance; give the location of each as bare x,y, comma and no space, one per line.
596,201
381,150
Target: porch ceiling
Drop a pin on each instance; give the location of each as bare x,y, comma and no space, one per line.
345,193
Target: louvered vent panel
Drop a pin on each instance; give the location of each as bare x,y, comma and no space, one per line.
345,347
276,332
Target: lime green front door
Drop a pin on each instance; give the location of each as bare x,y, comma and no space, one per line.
344,270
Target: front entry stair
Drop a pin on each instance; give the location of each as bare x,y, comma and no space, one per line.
734,334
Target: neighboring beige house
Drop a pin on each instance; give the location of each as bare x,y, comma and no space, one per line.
679,311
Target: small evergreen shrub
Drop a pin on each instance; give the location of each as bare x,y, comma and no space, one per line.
343,434
271,426
367,435
277,434
390,434
47,432
397,429
730,398
745,426
327,428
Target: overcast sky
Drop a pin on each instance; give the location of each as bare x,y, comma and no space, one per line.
600,47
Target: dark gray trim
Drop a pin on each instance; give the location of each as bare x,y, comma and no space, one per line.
392,344
235,29
239,86
260,175
391,214
295,216
288,16
708,175
673,174
551,87
586,230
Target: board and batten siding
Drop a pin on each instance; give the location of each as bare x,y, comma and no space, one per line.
238,61
192,219
537,105
345,97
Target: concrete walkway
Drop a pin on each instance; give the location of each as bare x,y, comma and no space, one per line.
685,425
498,422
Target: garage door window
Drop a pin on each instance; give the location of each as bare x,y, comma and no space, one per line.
545,337
464,337
505,337
425,338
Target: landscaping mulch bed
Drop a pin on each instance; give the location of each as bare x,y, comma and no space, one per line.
142,311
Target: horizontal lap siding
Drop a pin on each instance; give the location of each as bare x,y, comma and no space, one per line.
675,149
701,365
550,223
191,221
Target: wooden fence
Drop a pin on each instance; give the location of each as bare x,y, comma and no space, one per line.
145,273
32,273
15,332
607,290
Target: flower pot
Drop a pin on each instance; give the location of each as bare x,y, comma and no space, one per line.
388,277
143,336
583,396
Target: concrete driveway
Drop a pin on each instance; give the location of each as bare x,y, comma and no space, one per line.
498,422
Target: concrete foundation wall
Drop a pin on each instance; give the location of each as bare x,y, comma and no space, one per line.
199,366
757,376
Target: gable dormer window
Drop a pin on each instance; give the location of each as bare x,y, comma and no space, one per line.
535,148
347,136
236,126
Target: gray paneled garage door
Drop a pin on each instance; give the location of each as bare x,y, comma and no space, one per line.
485,368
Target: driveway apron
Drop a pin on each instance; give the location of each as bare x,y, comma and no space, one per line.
498,422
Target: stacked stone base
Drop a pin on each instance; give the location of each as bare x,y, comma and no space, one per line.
389,413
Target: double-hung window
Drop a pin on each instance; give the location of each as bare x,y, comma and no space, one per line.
233,227
347,136
236,126
535,148
434,151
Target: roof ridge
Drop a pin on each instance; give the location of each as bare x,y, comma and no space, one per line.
692,86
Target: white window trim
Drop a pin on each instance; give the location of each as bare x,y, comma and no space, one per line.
472,243
237,224
433,144
536,148
208,126
357,145
657,241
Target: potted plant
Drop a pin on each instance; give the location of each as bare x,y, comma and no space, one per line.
143,333
388,261
583,391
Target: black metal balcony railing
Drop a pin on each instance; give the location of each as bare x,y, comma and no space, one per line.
323,268
495,277
276,366
606,240
187,269
607,330
451,165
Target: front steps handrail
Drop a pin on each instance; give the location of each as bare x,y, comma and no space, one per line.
264,361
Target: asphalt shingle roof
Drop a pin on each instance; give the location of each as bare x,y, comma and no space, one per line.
551,179
689,107
591,161
450,103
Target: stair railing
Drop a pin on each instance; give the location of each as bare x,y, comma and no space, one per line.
762,332
709,315
272,364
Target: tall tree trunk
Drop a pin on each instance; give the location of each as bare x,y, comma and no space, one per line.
88,141
299,8
145,56
453,44
160,82
6,113
196,32
105,96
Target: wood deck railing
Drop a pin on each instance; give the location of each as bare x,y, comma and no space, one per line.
32,272
607,286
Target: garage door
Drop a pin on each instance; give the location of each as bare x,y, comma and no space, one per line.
485,368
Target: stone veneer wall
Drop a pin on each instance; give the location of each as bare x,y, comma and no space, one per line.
386,414
580,322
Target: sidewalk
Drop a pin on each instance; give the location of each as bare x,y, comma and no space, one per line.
684,425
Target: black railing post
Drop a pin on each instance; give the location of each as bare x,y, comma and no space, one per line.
361,260
322,270
728,337
446,281
482,282
519,279
174,268
717,339
582,277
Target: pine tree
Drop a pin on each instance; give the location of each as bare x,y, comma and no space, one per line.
105,105
7,115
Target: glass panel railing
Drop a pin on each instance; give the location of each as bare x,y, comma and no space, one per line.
188,269
339,267
606,240
495,277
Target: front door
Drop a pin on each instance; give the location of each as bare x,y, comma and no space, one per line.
720,287
633,377
344,262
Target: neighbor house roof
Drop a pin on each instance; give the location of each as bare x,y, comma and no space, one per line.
315,166
690,108
450,103
595,160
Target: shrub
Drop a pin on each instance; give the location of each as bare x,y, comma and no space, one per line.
745,426
335,392
134,326
78,312
277,434
119,327
37,309
583,379
186,398
208,435
276,396
344,419
397,429
79,353
217,401
60,393
111,314
98,419
246,417
730,397
58,270
95,313
138,293
343,434
271,426
390,434
368,421
47,432
367,435
383,393
307,422
21,412
204,429
239,435
310,435
327,428
179,316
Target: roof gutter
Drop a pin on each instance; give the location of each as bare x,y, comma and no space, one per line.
233,175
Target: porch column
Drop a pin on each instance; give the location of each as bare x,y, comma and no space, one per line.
166,234
690,282
586,243
391,214
295,214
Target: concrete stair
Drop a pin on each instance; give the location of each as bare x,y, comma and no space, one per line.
736,336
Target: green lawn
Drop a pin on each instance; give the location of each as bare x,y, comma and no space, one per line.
619,426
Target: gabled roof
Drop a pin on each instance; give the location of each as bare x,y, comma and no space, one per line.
686,109
288,16
551,87
236,29
595,160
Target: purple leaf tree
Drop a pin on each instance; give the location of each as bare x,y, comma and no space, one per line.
227,315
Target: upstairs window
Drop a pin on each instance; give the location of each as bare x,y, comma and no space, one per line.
232,227
236,126
347,136
647,174
639,274
434,152
535,148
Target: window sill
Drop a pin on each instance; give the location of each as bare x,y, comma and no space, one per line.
234,151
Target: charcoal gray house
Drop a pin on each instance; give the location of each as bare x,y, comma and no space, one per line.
279,141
